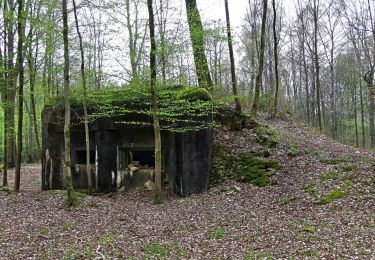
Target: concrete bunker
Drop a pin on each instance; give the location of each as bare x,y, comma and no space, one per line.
122,151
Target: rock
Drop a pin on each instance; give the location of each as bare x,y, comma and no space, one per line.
149,185
122,189
236,188
133,169
135,163
231,120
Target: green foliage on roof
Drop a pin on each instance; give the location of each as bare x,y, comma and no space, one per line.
180,108
128,95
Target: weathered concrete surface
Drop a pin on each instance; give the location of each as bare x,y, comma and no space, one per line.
186,156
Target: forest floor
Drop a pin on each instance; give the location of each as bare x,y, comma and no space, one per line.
233,220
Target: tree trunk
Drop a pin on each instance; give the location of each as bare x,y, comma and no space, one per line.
355,114
30,154
5,102
20,29
275,50
362,115
86,123
197,40
11,87
232,63
71,199
132,50
317,65
32,74
371,110
158,185
258,81
5,158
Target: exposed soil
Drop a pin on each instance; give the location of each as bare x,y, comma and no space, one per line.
234,220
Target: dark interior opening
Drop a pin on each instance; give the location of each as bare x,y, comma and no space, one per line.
81,157
144,157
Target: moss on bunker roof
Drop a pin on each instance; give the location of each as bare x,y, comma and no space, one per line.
132,96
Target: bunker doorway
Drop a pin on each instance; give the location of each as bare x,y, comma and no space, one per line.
136,168
138,157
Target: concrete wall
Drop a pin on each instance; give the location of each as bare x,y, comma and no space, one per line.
186,157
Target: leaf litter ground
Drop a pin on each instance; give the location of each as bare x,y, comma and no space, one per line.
232,220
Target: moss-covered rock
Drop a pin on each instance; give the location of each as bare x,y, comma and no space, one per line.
267,136
243,167
220,169
194,94
248,168
232,120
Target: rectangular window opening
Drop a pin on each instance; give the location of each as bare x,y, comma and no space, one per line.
144,156
81,157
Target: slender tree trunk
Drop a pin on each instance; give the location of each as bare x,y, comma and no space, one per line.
232,63
197,39
371,87
269,81
20,29
275,50
71,200
313,93
30,144
5,151
362,115
32,75
158,184
317,65
5,100
355,114
86,123
258,81
132,50
11,86
163,45
371,116
253,54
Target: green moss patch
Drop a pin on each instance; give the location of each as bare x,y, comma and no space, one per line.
337,193
157,250
243,167
294,150
331,175
310,189
250,169
267,136
194,94
333,161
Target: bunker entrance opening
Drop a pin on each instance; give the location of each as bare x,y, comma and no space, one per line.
81,157
139,157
